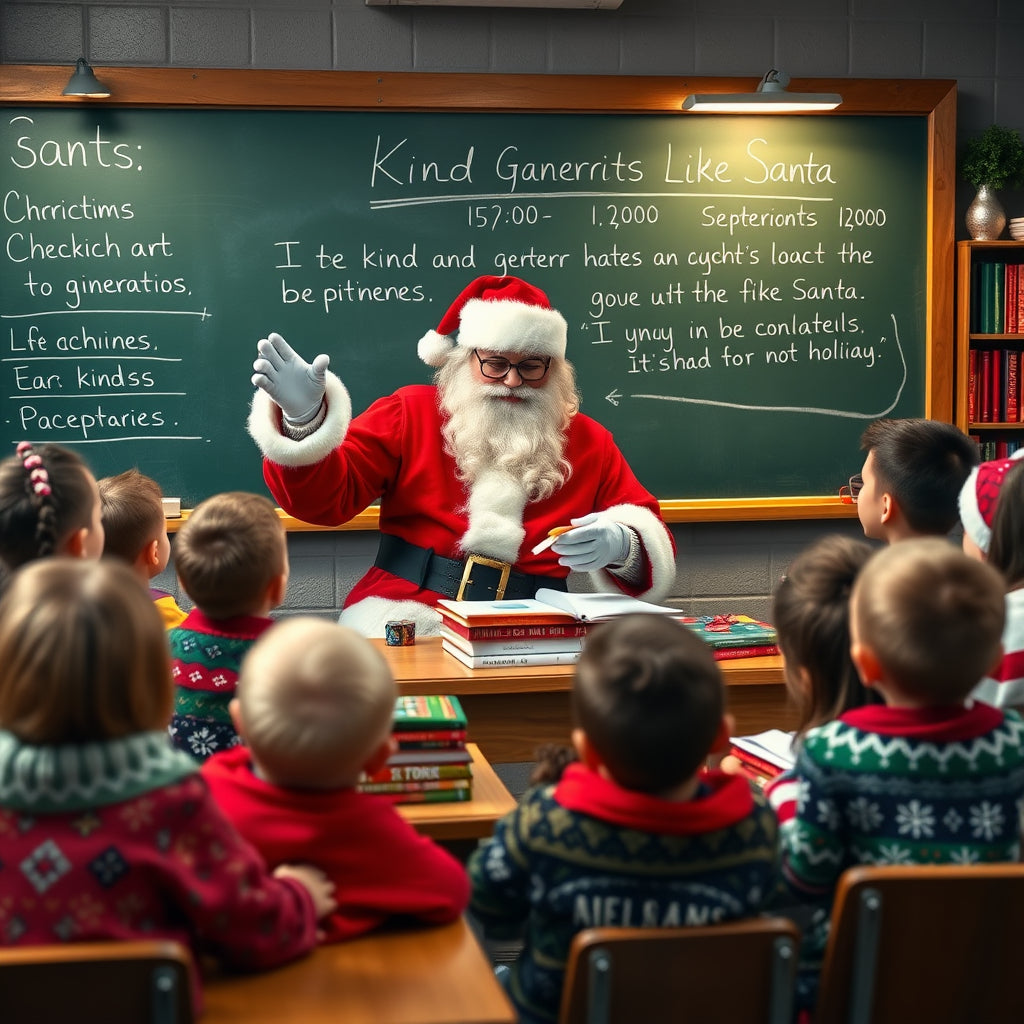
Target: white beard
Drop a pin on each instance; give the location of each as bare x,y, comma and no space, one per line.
524,440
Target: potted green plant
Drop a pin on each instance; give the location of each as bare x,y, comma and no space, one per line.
989,162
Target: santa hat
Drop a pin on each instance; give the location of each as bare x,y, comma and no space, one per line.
978,498
499,314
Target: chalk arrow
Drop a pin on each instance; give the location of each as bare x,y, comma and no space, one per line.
613,396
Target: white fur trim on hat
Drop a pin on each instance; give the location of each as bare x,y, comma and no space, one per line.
495,507
976,526
657,545
372,614
508,326
264,425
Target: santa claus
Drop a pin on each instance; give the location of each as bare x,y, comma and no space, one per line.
471,472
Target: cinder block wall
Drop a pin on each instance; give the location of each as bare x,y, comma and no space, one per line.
722,566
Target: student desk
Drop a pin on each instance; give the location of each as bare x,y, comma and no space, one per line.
435,975
512,710
474,819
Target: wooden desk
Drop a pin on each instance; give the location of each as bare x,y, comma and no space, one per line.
473,819
416,976
512,710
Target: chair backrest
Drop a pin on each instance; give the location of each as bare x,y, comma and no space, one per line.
937,943
742,972
97,983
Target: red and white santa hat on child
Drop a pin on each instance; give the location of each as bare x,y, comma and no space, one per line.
498,314
978,498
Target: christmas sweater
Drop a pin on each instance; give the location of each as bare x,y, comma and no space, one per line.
1005,688
585,852
122,840
206,655
394,451
382,868
885,785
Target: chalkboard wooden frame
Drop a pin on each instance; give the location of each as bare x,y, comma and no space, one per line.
932,99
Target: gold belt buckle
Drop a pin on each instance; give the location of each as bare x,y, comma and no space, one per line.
491,563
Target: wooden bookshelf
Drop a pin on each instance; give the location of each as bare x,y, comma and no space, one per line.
970,338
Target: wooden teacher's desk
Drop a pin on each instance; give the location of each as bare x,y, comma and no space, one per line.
513,710
473,819
434,975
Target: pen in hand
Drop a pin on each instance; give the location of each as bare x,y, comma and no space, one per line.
552,536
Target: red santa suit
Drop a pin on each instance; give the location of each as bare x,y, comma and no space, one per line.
395,452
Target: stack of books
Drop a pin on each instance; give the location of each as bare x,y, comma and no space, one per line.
431,763
764,755
734,636
547,630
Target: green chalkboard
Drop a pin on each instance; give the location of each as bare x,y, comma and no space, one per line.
744,294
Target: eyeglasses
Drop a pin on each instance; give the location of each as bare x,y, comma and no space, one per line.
498,368
849,493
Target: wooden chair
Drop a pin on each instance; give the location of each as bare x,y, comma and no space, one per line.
937,944
742,972
144,982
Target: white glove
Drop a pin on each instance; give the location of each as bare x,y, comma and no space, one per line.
595,542
295,385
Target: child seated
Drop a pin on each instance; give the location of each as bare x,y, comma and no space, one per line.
135,530
231,557
315,705
49,505
635,834
992,511
107,832
930,777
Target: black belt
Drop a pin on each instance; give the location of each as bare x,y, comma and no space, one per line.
474,579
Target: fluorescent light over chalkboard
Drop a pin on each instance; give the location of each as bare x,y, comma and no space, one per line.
770,97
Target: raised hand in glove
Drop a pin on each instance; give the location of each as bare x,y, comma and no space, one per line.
295,385
594,543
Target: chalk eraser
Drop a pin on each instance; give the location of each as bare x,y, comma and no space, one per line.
172,508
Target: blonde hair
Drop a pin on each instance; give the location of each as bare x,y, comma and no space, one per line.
932,616
316,699
133,513
228,552
83,654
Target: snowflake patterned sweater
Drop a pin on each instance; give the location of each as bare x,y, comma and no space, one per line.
122,840
885,785
586,852
205,656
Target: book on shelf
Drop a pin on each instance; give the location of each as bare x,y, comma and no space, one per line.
549,607
513,645
397,773
731,630
985,386
430,711
972,385
510,660
752,651
1012,283
430,786
998,297
1012,377
566,629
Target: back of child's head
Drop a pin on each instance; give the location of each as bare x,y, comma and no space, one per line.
315,700
923,463
932,616
83,654
811,613
649,697
46,494
992,512
1006,552
229,551
133,514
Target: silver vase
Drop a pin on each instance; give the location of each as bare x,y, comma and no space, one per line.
986,217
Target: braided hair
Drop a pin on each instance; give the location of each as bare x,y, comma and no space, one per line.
46,495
